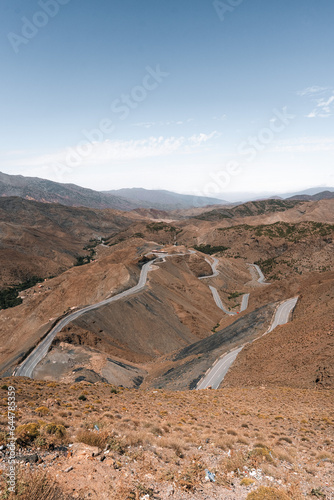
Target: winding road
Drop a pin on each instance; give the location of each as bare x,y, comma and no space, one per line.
283,312
27,367
218,301
261,279
217,373
213,265
215,293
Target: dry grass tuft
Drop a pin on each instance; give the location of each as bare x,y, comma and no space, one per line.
92,438
35,486
264,493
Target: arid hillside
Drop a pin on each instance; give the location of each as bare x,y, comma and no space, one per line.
44,239
174,311
21,327
115,404
300,353
101,442
138,340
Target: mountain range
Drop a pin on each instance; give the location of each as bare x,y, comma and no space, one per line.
34,188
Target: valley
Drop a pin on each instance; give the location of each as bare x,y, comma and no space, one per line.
219,307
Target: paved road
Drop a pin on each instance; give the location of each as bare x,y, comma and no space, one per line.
244,302
217,373
214,291
261,279
218,301
213,265
283,313
26,368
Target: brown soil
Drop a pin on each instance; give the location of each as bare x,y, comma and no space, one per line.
157,444
300,353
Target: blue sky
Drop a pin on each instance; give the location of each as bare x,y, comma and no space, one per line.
194,96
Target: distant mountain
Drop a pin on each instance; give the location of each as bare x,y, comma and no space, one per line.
324,195
34,188
164,200
249,209
309,192
243,196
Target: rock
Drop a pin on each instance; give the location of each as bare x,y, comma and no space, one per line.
68,469
84,450
31,459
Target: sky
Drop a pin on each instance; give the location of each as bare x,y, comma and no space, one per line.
195,96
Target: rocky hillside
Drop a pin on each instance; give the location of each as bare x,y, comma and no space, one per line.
252,208
34,188
300,353
101,442
45,239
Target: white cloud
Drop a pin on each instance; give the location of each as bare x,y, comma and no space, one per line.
309,91
159,124
323,99
109,151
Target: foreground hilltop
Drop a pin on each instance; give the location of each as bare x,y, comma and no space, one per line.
100,442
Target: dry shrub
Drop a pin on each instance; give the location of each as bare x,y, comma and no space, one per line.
35,486
234,463
173,444
286,439
247,481
324,456
42,411
26,433
264,493
283,456
225,443
135,438
260,454
243,440
192,475
115,444
91,438
57,430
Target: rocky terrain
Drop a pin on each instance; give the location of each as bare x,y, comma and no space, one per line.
96,441
45,239
114,412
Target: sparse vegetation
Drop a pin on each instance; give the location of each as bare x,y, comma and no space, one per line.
35,486
9,297
234,295
265,493
210,250
175,437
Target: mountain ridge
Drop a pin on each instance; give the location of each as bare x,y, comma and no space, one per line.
46,191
